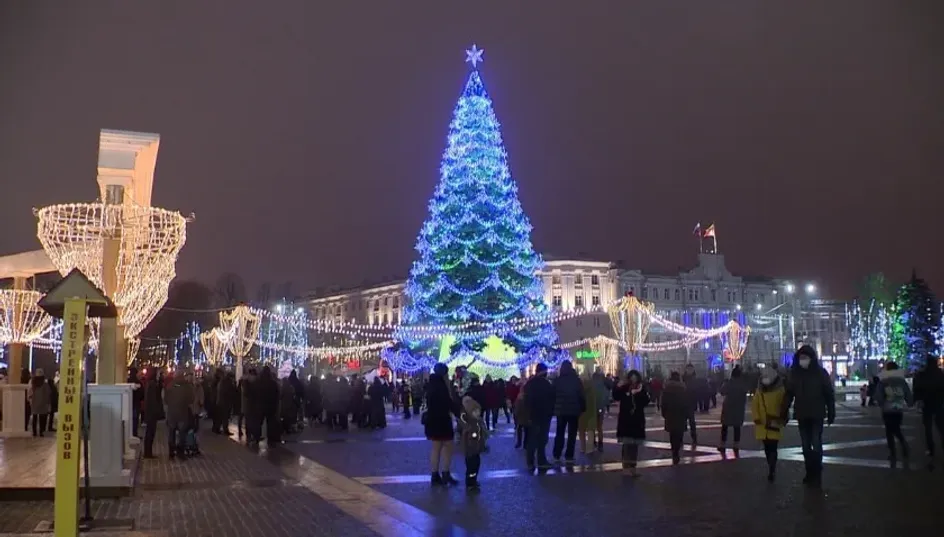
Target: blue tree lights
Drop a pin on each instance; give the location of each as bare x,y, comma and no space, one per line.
476,261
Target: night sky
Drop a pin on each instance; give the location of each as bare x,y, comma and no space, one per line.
306,135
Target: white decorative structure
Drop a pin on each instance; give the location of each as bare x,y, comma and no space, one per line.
21,320
125,247
109,437
214,345
14,410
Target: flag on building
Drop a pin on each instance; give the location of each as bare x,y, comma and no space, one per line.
697,231
710,231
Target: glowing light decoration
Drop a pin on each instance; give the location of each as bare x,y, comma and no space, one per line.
734,341
73,236
476,263
133,345
283,336
630,318
242,328
607,352
869,330
214,346
21,320
185,347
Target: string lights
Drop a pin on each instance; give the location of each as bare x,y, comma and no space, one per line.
240,327
214,345
21,319
73,235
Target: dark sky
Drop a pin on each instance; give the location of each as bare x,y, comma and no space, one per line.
306,135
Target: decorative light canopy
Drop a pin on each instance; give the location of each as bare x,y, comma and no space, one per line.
133,345
735,341
73,235
241,328
21,319
630,318
214,345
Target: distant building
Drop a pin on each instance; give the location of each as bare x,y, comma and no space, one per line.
779,313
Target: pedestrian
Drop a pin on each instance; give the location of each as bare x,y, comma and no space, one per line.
631,422
522,418
769,418
892,395
53,383
153,407
676,409
288,411
493,398
376,408
810,391
603,398
267,393
732,410
929,392
252,410
863,393
226,396
655,391
417,395
693,389
404,395
569,404
501,388
437,425
179,399
588,419
539,398
314,404
39,395
474,440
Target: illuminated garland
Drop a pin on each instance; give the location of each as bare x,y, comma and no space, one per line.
21,319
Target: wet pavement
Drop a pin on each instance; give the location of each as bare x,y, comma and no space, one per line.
376,483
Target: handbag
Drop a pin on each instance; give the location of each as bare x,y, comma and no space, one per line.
771,423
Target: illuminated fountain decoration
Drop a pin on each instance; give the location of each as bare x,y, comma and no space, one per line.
630,318
241,327
734,341
73,235
21,320
214,345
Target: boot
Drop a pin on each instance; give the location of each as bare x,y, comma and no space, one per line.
722,449
435,479
448,480
472,484
737,451
771,474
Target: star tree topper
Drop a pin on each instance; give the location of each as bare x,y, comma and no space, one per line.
474,55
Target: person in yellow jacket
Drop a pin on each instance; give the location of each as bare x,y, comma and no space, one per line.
769,419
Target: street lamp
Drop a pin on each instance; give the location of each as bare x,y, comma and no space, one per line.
790,288
810,288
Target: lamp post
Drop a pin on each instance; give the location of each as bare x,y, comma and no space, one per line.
241,327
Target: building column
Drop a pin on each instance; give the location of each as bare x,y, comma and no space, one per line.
15,363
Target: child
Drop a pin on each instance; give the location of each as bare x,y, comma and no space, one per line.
892,395
769,418
474,437
631,423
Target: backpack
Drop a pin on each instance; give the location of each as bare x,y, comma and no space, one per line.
473,435
894,398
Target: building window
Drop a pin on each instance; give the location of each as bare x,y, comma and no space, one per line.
376,305
386,301
595,300
396,302
386,319
677,295
665,293
596,322
555,279
376,319
691,295
645,292
714,295
696,295
594,280
578,301
579,322
556,301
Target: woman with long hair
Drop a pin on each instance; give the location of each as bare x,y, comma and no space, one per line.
631,423
441,406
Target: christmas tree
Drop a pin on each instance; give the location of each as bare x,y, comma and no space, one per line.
917,321
476,268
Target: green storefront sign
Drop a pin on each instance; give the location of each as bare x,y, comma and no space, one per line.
586,355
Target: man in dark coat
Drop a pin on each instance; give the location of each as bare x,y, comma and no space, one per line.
676,408
226,395
569,404
539,396
153,409
810,390
929,391
693,396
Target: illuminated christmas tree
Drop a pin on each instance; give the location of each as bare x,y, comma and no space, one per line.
477,268
917,321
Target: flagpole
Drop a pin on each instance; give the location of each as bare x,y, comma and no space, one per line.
715,239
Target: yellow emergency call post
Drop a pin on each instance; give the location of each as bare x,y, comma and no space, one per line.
73,299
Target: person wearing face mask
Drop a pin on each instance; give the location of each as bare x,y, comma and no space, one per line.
810,390
767,409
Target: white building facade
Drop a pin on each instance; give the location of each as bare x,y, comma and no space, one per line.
781,314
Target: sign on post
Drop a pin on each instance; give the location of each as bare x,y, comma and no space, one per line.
73,299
